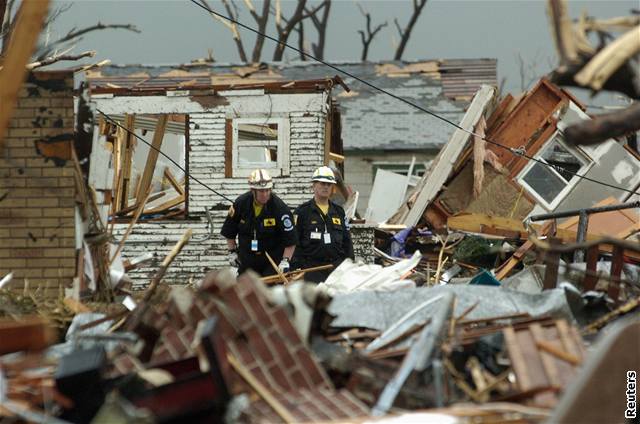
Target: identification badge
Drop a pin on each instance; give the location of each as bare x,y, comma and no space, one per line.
327,238
254,245
315,235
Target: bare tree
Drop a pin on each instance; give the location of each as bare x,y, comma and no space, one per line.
321,27
608,66
418,5
261,20
233,14
367,37
60,49
285,30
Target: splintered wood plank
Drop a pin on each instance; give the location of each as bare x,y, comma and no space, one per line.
443,163
568,342
166,205
28,24
548,361
152,158
172,179
527,365
525,120
518,363
566,371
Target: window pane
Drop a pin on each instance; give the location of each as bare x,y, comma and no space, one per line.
546,183
263,156
249,132
566,162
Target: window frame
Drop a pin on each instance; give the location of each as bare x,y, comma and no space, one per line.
283,164
585,160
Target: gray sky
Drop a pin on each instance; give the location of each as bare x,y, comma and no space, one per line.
177,31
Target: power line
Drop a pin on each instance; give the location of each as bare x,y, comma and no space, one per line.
515,151
187,174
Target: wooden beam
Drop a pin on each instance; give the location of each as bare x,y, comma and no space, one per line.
28,24
166,205
260,389
336,157
152,158
129,228
165,265
31,333
447,157
118,169
172,180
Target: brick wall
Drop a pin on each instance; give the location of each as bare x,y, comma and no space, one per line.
37,189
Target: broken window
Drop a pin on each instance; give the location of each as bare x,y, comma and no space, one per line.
550,181
139,168
260,143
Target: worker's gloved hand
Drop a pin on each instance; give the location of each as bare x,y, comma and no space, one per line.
233,258
284,265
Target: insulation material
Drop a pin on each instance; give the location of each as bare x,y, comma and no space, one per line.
498,197
350,277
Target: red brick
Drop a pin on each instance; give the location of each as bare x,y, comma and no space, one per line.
195,313
284,356
233,302
279,377
242,353
281,320
258,310
311,368
298,378
258,345
259,374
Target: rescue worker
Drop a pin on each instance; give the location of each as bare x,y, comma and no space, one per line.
263,224
323,229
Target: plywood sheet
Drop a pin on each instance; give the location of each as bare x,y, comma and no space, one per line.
618,224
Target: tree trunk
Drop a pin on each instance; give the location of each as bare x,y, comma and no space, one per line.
262,26
417,9
283,34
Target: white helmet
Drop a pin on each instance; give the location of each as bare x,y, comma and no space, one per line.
324,174
260,179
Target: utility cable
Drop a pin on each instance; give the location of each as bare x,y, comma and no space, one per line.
187,174
515,151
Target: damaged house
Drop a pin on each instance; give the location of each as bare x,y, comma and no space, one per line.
217,132
485,188
378,133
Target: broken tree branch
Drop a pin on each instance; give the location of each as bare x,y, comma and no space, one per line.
232,27
368,37
604,127
418,5
285,31
60,57
321,28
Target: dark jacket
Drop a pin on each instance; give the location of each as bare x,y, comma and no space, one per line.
273,229
313,250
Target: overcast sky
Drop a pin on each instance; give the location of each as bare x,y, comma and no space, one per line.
177,31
